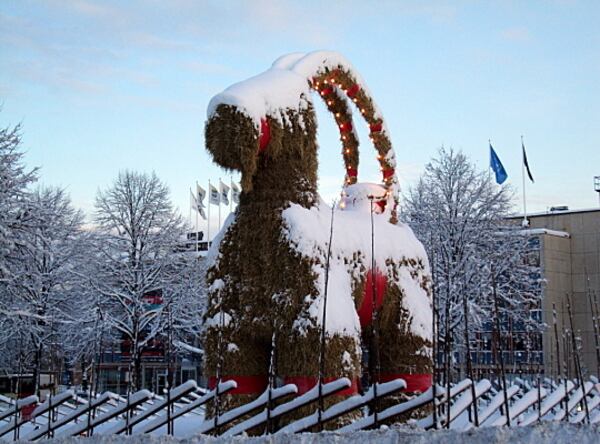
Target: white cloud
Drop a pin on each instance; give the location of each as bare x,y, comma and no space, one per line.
516,34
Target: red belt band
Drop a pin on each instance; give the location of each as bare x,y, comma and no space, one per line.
419,382
246,384
305,383
365,311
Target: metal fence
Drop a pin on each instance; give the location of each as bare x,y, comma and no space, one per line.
461,406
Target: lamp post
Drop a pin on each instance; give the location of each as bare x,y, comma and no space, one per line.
597,186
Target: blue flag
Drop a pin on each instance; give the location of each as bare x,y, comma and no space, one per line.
497,166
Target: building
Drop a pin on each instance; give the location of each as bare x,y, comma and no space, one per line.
114,365
569,255
114,368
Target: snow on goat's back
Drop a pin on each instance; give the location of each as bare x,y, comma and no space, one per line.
308,232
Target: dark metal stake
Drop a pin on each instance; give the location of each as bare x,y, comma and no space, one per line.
324,324
499,349
577,361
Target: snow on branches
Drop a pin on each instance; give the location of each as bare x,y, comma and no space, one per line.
68,291
138,270
460,216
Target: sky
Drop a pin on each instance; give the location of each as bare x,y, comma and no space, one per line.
104,86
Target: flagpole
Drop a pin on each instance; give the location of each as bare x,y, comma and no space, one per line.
190,218
525,221
490,161
196,229
208,221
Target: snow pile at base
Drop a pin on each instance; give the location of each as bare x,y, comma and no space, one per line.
308,231
540,433
284,86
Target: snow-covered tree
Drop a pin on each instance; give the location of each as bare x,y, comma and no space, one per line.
85,335
44,281
138,263
460,216
14,180
189,309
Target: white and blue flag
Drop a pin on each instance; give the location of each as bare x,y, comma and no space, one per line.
497,166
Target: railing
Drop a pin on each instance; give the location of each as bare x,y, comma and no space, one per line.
144,412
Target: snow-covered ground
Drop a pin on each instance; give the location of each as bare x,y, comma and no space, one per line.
538,433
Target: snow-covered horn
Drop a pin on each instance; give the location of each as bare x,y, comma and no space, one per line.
339,84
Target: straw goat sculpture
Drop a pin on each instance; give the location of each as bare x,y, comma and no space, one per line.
268,264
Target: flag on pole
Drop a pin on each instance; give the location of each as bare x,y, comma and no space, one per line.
526,163
193,201
235,193
224,191
497,166
214,197
197,205
200,195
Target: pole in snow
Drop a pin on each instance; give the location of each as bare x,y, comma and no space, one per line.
208,220
324,323
500,352
434,339
272,371
557,345
468,357
577,361
374,320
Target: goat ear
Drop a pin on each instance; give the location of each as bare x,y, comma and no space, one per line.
233,141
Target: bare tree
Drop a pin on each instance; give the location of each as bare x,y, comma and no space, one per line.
137,261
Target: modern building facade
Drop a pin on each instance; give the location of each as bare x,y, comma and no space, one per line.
570,263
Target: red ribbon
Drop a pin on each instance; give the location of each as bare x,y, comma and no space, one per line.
326,91
376,127
415,382
352,172
265,135
250,384
346,127
246,384
27,411
365,312
305,383
388,173
353,90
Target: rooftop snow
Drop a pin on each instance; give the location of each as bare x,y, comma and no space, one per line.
536,231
